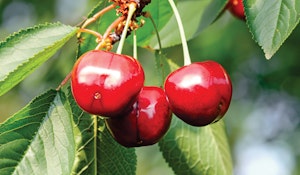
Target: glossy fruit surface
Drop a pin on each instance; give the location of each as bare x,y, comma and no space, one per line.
147,122
236,7
199,93
105,83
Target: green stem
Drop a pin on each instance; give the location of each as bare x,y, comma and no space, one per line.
186,55
132,8
65,80
135,55
95,120
157,33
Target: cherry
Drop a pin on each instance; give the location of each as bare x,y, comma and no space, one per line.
104,83
147,122
199,93
236,8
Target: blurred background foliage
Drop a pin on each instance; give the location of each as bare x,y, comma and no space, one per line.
263,120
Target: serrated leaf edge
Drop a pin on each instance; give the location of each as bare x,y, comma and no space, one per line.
8,120
268,56
209,130
19,34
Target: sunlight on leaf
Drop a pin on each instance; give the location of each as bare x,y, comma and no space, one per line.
195,15
23,52
39,138
162,66
271,22
98,153
197,150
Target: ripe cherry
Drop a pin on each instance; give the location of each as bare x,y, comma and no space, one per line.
199,93
236,8
147,122
105,83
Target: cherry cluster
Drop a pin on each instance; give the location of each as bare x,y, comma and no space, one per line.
112,85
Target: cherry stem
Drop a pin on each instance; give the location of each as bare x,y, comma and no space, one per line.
135,55
95,17
186,55
132,8
112,26
98,15
98,35
65,80
108,31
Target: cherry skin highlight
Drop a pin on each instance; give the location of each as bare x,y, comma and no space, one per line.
104,83
236,8
199,93
147,122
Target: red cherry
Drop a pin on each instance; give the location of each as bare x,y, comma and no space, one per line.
105,83
199,93
236,8
148,121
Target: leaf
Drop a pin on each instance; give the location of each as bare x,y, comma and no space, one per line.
161,13
211,13
195,15
22,52
197,150
271,22
97,152
39,138
162,66
113,158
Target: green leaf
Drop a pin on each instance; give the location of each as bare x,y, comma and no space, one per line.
39,138
271,22
211,13
162,66
113,158
97,152
22,52
161,13
197,150
195,15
